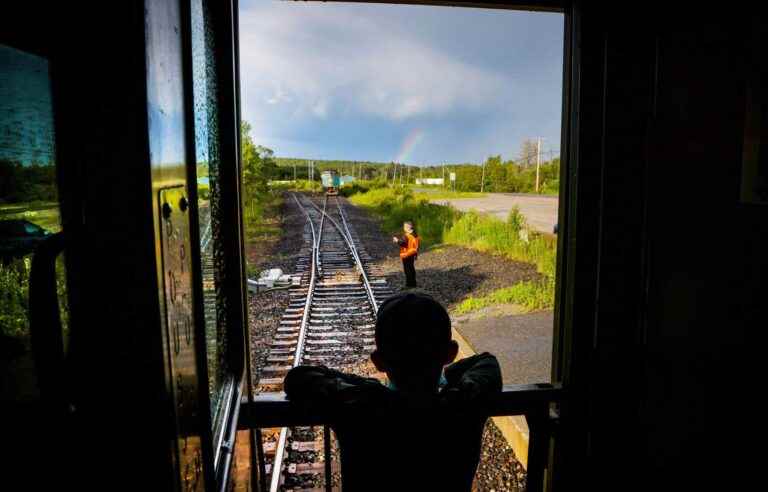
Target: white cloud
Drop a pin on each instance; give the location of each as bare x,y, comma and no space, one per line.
278,96
316,60
320,108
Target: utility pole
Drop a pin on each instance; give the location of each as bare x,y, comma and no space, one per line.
538,161
482,179
443,174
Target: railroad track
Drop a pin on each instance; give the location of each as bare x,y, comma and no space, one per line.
330,321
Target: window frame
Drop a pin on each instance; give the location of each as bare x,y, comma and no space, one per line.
578,217
232,287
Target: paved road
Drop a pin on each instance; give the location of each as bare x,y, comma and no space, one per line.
540,211
522,343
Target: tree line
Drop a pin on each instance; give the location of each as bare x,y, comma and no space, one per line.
260,165
20,183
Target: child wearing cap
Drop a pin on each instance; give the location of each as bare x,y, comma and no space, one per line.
420,431
409,251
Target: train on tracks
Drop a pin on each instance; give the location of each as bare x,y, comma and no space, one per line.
331,182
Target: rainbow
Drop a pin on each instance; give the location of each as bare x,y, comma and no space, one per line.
411,140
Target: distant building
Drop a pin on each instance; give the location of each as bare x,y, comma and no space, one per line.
429,181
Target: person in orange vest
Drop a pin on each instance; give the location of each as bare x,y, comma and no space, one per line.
409,251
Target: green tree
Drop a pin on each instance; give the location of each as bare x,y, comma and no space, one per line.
258,163
495,174
258,168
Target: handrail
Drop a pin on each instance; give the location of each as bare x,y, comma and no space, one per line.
531,400
274,409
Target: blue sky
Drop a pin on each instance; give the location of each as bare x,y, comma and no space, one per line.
416,84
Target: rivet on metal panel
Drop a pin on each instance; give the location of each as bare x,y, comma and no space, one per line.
188,329
176,337
172,284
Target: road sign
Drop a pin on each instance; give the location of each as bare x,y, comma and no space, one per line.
453,176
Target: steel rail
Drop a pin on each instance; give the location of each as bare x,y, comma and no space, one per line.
357,257
277,462
351,245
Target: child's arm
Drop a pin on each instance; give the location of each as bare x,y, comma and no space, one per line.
318,384
474,377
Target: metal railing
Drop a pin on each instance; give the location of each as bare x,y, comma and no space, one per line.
533,401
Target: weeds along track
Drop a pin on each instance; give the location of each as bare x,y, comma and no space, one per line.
330,321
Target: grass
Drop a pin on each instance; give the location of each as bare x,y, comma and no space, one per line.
14,297
44,214
531,295
491,235
298,185
260,215
397,205
441,224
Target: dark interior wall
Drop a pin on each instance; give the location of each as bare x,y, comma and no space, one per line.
665,365
707,252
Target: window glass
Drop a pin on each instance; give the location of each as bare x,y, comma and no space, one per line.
29,209
207,156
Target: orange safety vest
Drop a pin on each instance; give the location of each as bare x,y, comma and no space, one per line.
409,247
